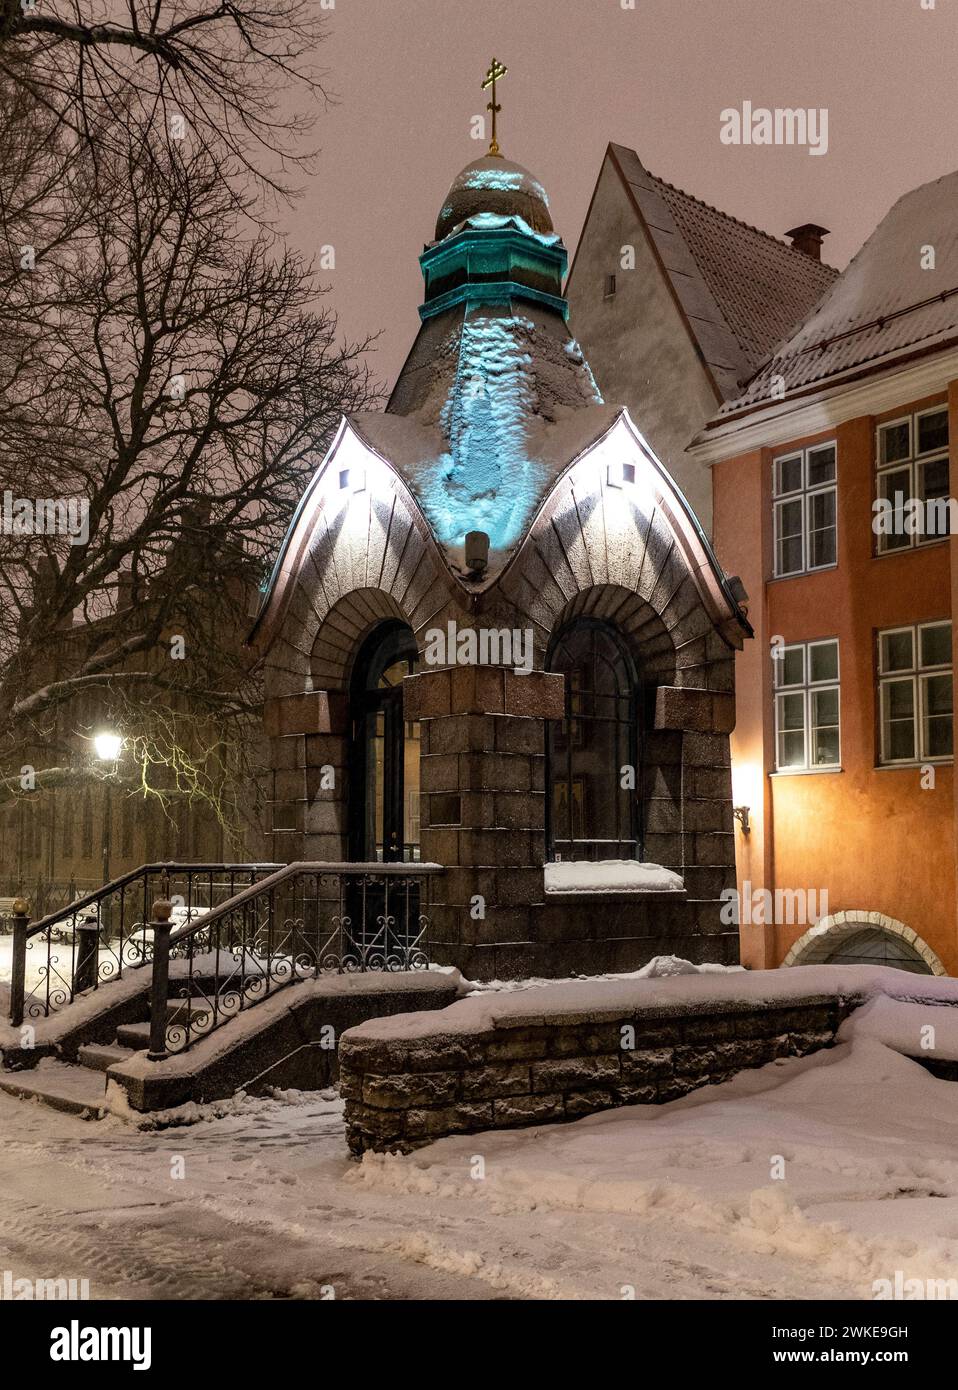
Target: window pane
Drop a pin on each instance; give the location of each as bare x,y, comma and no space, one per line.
897,650
895,442
791,666
821,528
936,700
592,813
825,750
788,474
791,730
822,661
896,487
933,431
898,719
791,711
825,706
935,644
821,465
788,537
933,483
791,748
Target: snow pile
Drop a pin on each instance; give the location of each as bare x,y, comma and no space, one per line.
677,1201
679,993
611,876
657,968
914,1029
853,1131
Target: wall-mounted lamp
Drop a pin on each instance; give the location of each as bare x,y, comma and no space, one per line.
741,815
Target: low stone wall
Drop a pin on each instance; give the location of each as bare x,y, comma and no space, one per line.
403,1090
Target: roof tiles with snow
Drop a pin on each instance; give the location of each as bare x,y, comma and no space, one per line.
741,289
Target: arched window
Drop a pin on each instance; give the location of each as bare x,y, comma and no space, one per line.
384,786
592,755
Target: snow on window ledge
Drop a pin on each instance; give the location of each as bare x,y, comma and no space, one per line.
610,876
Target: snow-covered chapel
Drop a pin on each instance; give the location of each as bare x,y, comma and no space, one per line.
497,638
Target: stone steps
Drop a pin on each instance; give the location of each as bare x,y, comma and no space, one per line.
133,1036
61,1085
97,1057
79,1088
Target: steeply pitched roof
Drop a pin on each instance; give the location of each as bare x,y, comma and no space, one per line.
740,289
883,307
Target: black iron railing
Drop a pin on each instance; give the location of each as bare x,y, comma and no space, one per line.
91,941
303,921
44,895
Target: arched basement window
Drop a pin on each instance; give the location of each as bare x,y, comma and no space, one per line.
590,813
867,945
384,788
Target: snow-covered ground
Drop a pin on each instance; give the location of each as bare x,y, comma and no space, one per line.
677,1201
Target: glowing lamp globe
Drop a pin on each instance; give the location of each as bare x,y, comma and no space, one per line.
107,746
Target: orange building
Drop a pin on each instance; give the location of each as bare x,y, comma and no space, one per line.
834,474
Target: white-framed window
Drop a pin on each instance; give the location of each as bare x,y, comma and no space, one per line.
912,463
804,510
807,722
915,697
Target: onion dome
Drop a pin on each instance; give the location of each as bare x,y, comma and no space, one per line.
495,185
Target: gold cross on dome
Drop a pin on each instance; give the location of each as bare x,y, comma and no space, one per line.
496,71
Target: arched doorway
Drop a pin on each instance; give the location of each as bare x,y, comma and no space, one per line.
384,766
593,811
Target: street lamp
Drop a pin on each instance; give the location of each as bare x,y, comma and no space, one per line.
107,746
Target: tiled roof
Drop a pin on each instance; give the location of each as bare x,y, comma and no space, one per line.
742,290
885,305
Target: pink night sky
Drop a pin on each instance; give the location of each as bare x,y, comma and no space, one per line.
406,76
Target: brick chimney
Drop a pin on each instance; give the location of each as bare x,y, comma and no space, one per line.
808,239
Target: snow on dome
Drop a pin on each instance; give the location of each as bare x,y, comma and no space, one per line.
495,185
495,222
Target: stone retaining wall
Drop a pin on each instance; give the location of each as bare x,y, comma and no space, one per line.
404,1091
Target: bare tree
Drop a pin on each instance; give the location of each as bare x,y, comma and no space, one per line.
178,380
241,74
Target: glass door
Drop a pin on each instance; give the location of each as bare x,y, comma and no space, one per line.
384,824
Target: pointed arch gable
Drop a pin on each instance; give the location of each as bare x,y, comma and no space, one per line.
357,528
601,525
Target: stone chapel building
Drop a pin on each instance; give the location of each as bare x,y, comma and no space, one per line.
497,638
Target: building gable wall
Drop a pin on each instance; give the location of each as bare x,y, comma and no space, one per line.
637,341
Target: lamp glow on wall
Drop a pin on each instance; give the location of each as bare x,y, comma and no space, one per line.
746,792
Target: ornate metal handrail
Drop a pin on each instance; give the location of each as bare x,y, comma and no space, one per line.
92,940
305,920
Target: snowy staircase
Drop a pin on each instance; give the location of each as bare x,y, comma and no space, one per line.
80,1087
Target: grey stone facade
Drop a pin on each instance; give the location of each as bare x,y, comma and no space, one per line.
496,416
